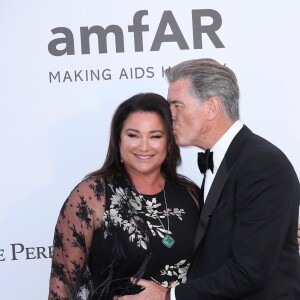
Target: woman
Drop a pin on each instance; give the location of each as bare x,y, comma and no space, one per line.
133,218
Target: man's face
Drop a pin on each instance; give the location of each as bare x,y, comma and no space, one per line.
188,114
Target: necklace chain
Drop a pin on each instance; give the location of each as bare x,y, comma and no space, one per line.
167,215
168,241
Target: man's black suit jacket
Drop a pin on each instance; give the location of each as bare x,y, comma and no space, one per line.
246,242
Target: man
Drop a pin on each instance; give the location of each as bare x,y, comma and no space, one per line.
246,242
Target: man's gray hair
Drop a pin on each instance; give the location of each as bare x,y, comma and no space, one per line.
209,78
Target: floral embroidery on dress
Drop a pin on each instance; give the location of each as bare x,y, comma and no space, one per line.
179,270
152,212
123,212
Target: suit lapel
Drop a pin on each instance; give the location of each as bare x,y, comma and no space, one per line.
212,200
224,171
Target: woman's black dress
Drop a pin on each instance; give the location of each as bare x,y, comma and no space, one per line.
107,234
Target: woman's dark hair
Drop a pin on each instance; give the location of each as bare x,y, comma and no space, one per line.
144,102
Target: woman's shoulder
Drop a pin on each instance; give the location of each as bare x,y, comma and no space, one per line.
97,185
184,186
185,191
90,188
87,200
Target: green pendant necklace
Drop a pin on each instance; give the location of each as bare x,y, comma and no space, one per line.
167,240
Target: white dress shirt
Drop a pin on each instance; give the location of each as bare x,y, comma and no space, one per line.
219,150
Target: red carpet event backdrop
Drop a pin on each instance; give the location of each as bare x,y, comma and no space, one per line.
66,65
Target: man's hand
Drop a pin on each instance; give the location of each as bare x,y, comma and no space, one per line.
151,291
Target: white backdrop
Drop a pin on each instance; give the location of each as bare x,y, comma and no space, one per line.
55,119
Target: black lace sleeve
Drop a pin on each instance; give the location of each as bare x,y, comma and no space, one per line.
80,215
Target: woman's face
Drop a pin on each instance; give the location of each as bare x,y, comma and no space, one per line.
143,143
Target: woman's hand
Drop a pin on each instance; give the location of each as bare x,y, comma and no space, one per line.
151,291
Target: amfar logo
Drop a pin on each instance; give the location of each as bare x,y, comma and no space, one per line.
65,45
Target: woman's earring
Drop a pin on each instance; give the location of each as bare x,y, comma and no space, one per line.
122,161
169,154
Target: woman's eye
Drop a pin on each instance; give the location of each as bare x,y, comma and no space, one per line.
156,137
131,135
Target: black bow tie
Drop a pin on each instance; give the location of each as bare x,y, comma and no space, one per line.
205,161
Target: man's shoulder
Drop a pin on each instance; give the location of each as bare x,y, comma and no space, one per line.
255,143
258,152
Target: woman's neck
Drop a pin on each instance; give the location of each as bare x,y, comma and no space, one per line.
148,184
